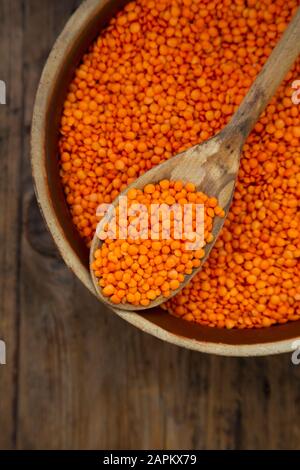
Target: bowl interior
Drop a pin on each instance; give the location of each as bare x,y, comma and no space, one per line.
81,38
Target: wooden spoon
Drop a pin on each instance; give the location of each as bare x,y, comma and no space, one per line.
213,165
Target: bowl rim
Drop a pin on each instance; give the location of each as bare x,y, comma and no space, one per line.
60,49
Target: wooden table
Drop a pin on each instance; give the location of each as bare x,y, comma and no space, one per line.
77,376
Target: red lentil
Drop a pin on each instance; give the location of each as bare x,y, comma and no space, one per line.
149,267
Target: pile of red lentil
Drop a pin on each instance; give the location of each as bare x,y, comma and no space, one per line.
168,74
153,258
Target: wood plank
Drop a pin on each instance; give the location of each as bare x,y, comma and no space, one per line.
11,41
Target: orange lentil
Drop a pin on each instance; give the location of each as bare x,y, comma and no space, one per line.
155,269
165,76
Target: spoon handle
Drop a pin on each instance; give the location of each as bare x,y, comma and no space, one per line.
268,80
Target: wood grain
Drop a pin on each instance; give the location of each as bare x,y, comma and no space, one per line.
11,162
76,375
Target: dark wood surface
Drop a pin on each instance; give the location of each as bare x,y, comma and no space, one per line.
77,376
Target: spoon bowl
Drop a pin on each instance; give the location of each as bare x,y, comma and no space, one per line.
211,174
